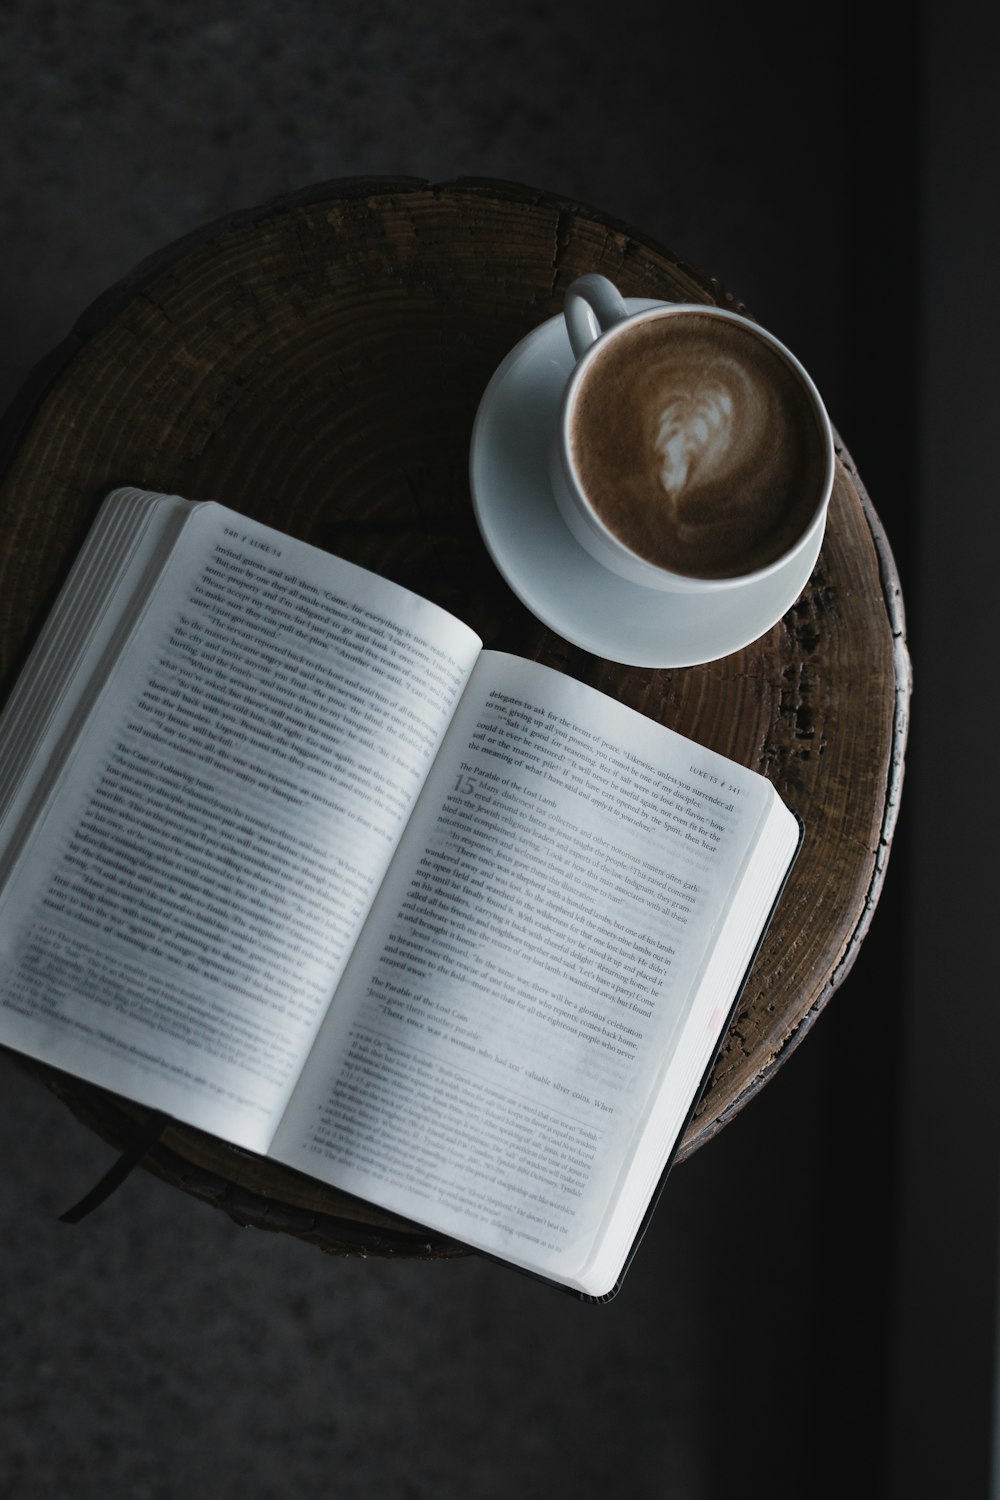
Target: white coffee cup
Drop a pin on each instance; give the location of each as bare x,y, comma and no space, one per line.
596,316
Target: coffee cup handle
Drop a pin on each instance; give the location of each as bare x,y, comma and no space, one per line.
593,305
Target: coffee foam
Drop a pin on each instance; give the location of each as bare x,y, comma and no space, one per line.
697,445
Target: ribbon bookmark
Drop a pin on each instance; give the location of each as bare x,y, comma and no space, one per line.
118,1172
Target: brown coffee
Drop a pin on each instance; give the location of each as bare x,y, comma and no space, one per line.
697,445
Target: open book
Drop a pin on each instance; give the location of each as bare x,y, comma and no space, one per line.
286,854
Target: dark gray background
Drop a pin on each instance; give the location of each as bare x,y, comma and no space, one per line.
811,1314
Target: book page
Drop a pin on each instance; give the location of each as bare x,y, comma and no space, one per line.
179,920
505,1019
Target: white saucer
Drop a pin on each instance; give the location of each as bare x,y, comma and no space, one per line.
547,568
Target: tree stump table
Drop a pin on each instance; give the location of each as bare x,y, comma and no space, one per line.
317,363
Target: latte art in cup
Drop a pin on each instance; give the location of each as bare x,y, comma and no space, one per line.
697,446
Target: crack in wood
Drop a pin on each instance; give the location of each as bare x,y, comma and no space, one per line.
561,238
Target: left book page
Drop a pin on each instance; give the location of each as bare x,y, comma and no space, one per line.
202,808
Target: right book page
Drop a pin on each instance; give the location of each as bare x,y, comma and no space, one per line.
544,976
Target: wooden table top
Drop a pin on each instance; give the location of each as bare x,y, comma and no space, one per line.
317,363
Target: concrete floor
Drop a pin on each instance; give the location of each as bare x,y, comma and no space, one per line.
156,1351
